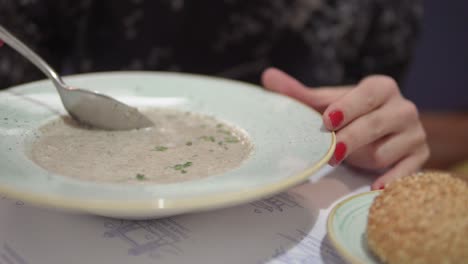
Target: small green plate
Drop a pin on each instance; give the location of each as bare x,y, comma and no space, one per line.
347,227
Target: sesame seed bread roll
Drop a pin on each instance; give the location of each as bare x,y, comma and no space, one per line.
422,218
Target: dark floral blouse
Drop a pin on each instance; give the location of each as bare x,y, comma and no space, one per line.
320,42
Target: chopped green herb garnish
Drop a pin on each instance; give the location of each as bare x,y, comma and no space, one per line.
219,125
189,143
220,143
231,140
181,167
160,148
224,131
140,177
208,138
178,166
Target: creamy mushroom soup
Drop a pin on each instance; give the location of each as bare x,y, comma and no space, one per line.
181,146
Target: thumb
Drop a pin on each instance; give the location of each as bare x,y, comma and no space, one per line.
278,81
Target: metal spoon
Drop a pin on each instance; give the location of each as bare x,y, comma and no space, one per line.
89,107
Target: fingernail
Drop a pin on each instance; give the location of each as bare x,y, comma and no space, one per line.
336,117
1,43
382,187
340,152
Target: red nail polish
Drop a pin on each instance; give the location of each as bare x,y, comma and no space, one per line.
336,117
382,187
340,152
1,43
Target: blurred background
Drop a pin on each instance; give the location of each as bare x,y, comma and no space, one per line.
438,77
437,82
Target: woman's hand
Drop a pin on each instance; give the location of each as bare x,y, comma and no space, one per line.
376,128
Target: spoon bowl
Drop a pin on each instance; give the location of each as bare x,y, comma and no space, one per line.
88,107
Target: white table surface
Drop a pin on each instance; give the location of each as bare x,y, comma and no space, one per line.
287,228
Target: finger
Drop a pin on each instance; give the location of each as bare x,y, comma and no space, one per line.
398,146
367,156
388,150
405,167
280,82
368,95
391,118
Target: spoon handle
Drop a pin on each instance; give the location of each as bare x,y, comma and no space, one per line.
19,46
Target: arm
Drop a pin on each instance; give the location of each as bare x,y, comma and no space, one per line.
447,134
